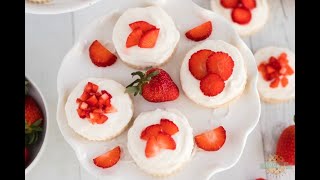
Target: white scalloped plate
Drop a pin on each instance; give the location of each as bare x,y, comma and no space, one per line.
57,6
239,118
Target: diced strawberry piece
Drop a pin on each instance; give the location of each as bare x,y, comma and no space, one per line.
165,141
101,56
105,92
98,94
104,96
197,63
272,59
90,88
275,83
134,38
108,159
250,4
83,105
274,75
200,32
98,110
152,130
144,26
110,109
78,101
241,15
283,70
289,70
149,39
262,67
229,3
220,63
211,140
81,113
275,64
152,148
284,81
85,95
98,118
211,85
92,101
283,56
270,69
168,126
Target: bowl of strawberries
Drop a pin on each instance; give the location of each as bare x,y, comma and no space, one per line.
36,126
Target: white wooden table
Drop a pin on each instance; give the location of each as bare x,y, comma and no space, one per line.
48,39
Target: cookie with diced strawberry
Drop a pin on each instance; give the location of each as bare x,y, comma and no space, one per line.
276,82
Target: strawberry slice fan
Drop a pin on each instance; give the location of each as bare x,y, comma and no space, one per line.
224,142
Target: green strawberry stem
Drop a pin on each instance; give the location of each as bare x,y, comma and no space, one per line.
26,87
32,132
136,86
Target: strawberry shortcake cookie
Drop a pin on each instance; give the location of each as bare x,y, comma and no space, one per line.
276,82
98,109
247,16
213,73
145,37
160,141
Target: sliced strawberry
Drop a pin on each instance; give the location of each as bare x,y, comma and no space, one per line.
211,85
149,39
200,32
270,69
91,88
211,140
168,126
165,141
92,101
275,83
229,3
220,63
197,63
98,118
134,38
284,81
250,4
152,130
241,15
152,148
144,26
108,159
289,70
101,56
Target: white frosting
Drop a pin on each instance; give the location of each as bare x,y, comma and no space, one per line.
167,39
233,86
280,93
116,122
259,16
167,161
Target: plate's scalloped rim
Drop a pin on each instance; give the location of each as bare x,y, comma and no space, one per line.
254,83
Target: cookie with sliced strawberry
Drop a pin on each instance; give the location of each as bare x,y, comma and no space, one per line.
100,55
211,140
200,32
155,85
108,159
276,82
162,136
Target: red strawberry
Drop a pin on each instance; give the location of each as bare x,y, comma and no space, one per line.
155,85
241,15
286,146
168,126
91,87
101,56
108,159
197,63
26,155
229,3
260,179
250,4
144,26
284,81
275,83
165,141
200,32
211,140
32,112
220,63
92,101
98,118
134,38
270,69
152,148
211,85
152,130
149,38
289,70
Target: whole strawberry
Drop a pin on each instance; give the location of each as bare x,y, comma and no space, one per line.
286,146
155,85
33,120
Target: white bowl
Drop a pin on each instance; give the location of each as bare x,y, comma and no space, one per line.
239,118
57,6
37,149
